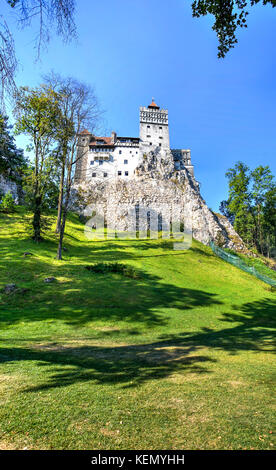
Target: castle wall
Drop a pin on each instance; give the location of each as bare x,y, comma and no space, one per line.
119,162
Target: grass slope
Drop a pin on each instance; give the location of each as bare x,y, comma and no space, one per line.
180,357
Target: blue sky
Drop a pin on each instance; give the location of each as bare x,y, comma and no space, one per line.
129,50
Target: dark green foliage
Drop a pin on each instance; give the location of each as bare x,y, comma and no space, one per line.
251,206
230,15
12,161
117,268
37,116
7,203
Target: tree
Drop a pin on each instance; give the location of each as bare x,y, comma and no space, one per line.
53,16
230,15
8,62
37,116
262,182
12,161
239,200
251,205
269,226
78,108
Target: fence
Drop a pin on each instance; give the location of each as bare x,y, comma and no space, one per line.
239,263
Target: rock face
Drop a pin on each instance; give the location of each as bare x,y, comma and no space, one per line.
162,194
7,185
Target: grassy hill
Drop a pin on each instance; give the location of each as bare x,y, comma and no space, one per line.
178,357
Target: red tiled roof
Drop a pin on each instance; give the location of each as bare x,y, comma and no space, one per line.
107,141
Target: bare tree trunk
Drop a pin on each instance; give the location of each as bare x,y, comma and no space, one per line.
37,202
37,219
64,212
60,198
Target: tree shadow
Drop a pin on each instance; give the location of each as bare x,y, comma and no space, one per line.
133,365
128,366
255,330
82,297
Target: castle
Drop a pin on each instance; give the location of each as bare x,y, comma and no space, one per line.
131,181
119,157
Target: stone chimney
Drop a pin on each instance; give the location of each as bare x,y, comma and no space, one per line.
113,137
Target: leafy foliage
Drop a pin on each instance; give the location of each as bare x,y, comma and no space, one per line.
230,15
7,203
37,116
117,268
12,160
252,206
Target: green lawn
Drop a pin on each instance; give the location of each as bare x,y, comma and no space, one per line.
179,358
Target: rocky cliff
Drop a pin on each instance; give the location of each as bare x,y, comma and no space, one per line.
170,194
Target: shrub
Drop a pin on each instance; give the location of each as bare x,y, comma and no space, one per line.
117,268
7,204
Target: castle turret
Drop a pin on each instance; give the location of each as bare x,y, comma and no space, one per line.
84,138
154,128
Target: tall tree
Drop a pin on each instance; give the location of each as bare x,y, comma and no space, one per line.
37,116
78,108
12,160
239,200
269,226
230,15
262,182
251,205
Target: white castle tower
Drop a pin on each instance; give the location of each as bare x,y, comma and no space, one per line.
118,157
154,127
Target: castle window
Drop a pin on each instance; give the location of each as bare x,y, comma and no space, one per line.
148,136
126,173
92,162
160,127
119,173
105,175
100,162
125,162
160,145
148,127
120,152
93,175
160,137
150,143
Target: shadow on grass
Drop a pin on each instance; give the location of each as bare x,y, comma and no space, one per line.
133,365
255,330
82,297
89,297
128,366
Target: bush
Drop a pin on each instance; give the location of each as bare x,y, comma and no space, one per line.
117,268
7,204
